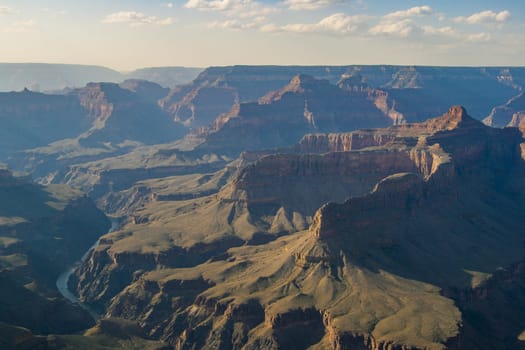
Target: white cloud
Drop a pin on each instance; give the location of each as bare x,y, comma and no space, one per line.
336,24
20,26
308,4
402,28
136,19
232,24
399,23
238,8
457,36
485,17
411,12
4,10
441,31
479,37
270,28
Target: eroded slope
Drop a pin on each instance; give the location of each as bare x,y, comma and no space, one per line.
436,206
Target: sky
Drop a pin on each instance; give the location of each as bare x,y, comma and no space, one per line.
129,34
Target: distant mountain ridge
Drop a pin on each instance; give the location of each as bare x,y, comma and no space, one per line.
96,116
405,93
55,77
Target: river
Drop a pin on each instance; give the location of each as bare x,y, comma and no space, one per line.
63,279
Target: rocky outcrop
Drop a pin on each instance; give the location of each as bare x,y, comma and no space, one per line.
362,267
302,183
94,100
453,169
282,117
271,197
387,106
379,97
394,192
147,90
518,120
404,94
199,106
343,142
442,90
392,90
115,121
509,114
122,114
253,82
299,84
108,271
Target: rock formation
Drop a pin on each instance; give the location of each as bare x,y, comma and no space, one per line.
510,114
385,238
282,117
441,196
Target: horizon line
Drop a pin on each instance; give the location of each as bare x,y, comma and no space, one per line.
123,71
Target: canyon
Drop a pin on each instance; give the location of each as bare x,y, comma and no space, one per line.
362,203
418,206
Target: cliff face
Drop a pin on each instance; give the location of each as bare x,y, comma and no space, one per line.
115,119
457,148
199,106
405,94
252,82
98,113
120,119
436,88
303,183
30,119
122,114
146,90
509,114
380,97
343,142
416,191
282,117
441,196
307,104
276,195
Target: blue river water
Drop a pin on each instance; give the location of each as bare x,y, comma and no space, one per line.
63,279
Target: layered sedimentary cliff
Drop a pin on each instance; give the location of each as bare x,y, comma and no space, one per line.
198,106
302,183
282,117
361,269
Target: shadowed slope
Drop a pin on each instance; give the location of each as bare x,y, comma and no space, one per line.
42,231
